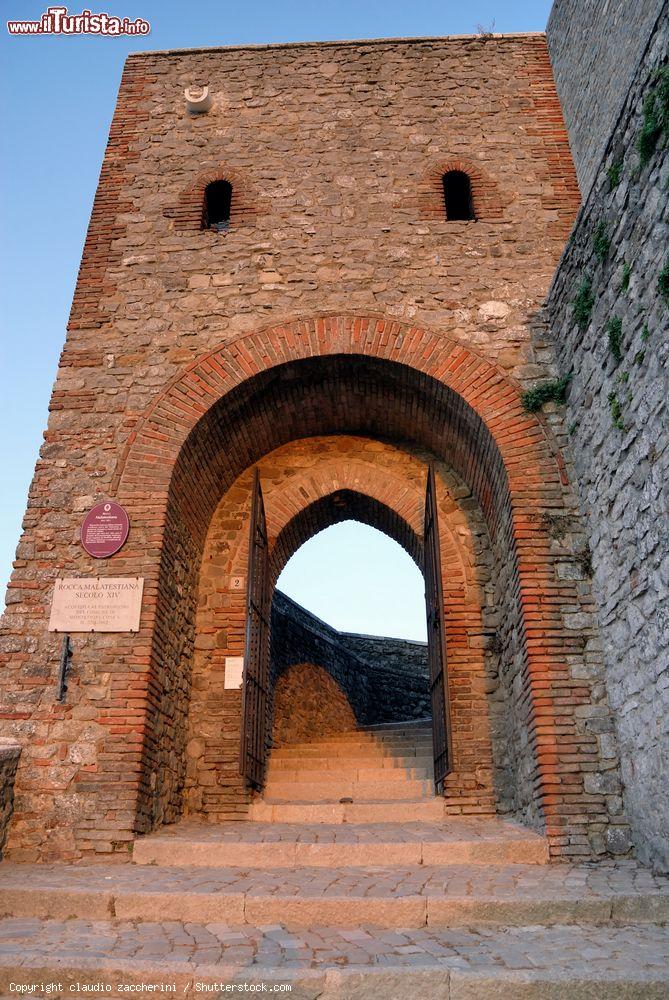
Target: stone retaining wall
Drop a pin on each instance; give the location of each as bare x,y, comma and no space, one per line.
617,419
595,47
309,705
383,679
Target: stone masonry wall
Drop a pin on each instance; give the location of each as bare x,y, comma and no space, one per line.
595,47
384,679
185,364
617,416
10,751
309,705
380,652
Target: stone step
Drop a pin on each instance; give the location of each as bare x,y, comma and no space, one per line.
347,772
425,810
359,791
322,764
391,897
366,739
410,725
351,749
530,963
274,845
374,736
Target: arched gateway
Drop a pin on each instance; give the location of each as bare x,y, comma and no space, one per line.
319,285
334,337
431,400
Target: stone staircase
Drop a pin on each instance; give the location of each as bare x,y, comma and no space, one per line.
384,896
362,776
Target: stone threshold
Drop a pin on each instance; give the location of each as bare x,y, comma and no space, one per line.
458,840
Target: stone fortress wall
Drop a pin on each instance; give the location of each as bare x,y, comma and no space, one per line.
382,679
337,245
617,412
595,48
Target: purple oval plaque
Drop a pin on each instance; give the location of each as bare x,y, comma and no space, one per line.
105,529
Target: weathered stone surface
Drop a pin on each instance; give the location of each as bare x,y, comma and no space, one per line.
384,895
309,703
628,962
456,841
621,461
10,751
595,49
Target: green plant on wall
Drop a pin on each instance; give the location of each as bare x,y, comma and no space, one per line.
655,121
601,242
554,392
583,303
616,412
625,280
663,281
615,171
614,329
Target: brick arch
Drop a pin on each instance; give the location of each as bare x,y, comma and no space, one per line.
340,489
380,378
470,782
489,393
245,207
301,500
342,505
486,196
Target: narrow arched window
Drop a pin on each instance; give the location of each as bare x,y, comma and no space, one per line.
217,204
458,196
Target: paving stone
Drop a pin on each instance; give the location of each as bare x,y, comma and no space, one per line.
621,962
387,896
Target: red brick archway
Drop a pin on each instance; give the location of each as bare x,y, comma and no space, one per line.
310,485
462,408
163,429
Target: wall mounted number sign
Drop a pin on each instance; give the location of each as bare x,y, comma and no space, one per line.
105,529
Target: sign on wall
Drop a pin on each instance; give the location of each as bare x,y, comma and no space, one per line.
100,604
105,529
234,671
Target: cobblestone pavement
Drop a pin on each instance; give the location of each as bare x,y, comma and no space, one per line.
503,882
593,950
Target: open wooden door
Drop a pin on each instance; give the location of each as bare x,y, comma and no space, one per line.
436,638
255,682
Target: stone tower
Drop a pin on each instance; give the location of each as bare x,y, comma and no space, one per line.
334,274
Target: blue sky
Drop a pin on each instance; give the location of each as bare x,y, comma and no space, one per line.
58,98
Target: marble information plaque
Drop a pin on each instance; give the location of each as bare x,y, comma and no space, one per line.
100,604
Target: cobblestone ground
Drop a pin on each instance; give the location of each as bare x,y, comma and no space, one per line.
503,882
587,949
